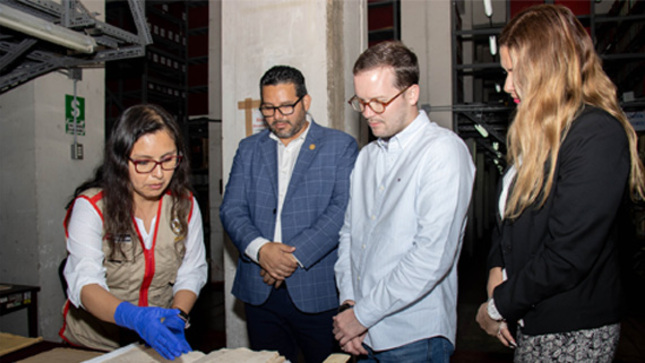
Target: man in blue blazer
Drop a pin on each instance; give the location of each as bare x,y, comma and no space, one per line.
283,208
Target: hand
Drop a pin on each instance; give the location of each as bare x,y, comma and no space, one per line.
347,327
146,321
270,280
277,259
494,328
177,327
355,346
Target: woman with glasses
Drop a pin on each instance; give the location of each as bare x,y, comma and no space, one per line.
135,241
554,269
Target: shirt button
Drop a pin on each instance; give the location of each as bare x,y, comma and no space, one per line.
381,188
363,246
373,217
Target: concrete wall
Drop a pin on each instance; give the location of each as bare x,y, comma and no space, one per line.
37,177
17,202
321,38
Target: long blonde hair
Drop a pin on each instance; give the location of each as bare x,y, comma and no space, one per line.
556,71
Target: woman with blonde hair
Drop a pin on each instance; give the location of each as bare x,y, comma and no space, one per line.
573,160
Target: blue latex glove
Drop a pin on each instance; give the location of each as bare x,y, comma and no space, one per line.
146,321
177,326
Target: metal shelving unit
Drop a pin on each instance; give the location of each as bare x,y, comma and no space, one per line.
485,118
383,20
173,74
159,76
196,104
619,36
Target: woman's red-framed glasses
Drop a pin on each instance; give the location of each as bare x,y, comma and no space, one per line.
145,166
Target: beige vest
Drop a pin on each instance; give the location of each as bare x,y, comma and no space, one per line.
142,277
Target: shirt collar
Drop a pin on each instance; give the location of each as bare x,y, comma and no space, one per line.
402,139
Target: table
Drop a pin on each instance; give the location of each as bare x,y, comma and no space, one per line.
16,297
48,352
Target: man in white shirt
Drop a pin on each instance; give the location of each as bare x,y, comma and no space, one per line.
404,225
283,207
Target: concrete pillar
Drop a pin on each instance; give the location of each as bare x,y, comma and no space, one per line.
322,38
426,29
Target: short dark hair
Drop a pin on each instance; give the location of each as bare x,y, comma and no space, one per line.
391,54
284,74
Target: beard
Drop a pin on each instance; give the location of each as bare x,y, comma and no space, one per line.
286,132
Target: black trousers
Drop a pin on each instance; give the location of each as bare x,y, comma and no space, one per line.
279,325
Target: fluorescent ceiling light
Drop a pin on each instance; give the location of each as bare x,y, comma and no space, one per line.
45,30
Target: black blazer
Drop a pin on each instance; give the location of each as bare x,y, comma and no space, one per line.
562,259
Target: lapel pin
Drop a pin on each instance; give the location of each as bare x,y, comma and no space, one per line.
312,146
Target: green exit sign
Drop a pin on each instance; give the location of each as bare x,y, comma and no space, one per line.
74,108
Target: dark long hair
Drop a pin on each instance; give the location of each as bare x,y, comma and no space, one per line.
113,174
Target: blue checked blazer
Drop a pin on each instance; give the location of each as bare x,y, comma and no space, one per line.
312,214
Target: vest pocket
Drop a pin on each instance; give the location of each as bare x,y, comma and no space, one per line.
123,250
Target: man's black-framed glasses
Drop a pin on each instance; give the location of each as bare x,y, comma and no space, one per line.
285,110
377,106
145,166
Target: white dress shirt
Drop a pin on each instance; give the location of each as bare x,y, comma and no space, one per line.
85,261
402,235
287,157
506,186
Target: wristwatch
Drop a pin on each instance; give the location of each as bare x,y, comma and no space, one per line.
185,317
344,307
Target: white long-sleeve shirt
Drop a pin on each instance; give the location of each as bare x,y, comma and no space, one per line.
402,235
85,261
